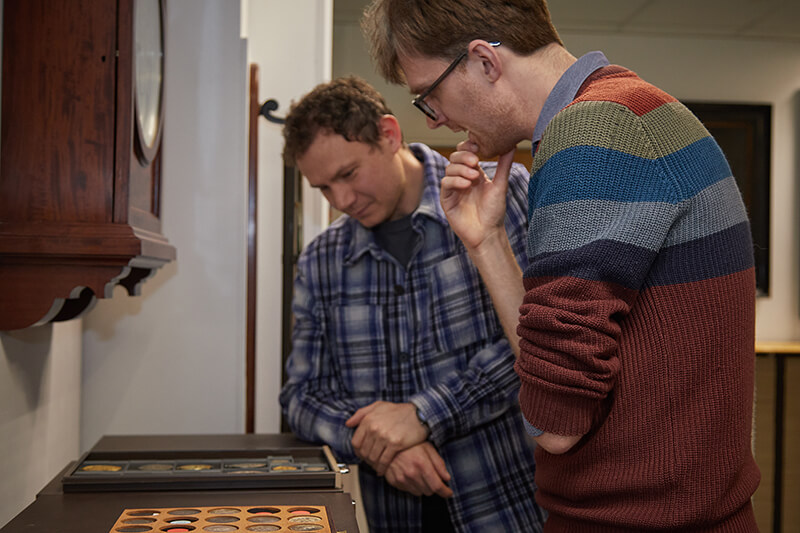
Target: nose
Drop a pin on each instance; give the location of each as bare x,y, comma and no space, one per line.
438,121
433,124
343,197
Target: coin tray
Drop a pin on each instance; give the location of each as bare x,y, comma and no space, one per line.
311,467
239,518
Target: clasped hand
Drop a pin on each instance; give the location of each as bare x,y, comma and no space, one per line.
383,429
390,438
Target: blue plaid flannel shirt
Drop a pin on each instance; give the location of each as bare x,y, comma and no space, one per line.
367,329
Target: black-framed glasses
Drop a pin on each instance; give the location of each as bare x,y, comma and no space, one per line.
419,101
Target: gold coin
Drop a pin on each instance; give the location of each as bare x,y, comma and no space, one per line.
286,467
194,467
102,468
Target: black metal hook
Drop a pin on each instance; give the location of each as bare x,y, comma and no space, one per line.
266,109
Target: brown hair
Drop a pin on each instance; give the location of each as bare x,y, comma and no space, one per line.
349,106
444,28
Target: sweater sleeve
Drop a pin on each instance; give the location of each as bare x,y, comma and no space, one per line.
601,206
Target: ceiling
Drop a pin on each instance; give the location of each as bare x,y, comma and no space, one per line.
773,20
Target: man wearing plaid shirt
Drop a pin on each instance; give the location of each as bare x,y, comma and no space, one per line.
398,359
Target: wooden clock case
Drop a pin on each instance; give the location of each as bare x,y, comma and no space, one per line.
79,208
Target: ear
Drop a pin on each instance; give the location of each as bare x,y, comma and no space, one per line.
391,133
489,59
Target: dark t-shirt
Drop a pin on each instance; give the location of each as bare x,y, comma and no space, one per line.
398,238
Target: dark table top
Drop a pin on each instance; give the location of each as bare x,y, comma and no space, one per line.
96,512
249,441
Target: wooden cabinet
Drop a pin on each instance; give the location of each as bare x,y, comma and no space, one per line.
80,168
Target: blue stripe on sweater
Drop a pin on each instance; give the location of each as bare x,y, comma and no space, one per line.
719,254
624,177
633,267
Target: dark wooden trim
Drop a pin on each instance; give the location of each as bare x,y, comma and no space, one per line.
780,352
252,249
777,495
292,245
123,142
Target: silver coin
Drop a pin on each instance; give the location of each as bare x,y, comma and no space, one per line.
183,511
222,519
139,521
305,519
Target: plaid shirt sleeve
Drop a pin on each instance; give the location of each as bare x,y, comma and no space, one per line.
313,398
489,385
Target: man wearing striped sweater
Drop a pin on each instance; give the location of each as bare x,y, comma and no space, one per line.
634,319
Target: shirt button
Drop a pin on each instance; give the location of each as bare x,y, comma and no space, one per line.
399,290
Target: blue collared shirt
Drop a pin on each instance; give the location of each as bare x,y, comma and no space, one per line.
566,89
367,328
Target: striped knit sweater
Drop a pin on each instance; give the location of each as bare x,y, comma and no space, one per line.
637,327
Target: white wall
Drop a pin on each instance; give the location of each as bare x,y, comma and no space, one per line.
40,379
690,69
291,44
172,360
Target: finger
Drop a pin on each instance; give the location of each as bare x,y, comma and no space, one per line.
455,183
467,146
358,441
438,463
463,171
407,485
444,491
438,475
375,453
465,157
432,483
503,168
385,459
359,415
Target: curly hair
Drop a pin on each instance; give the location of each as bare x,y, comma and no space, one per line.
444,28
347,106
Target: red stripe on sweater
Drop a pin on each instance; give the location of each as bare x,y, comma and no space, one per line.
617,84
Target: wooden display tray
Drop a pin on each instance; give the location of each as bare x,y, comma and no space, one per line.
227,518
312,467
